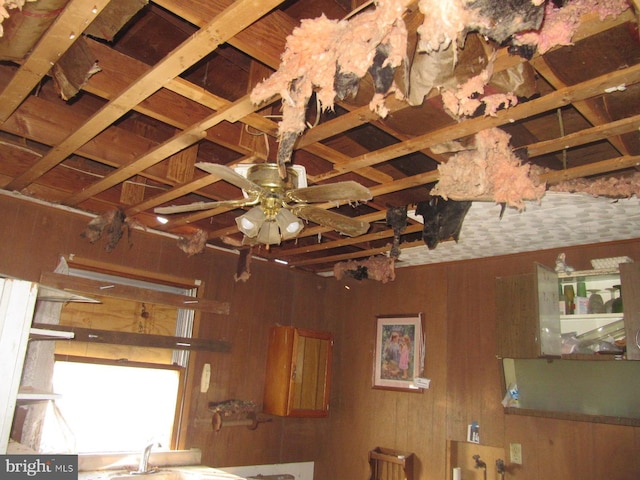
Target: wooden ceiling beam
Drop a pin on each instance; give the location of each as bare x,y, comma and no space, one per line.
263,40
619,163
581,91
584,107
178,142
368,237
64,32
168,108
588,135
179,103
230,22
605,166
590,25
366,116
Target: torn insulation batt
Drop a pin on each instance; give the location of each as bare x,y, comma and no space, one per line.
560,24
320,50
194,243
111,224
379,268
612,187
448,22
490,171
321,53
468,97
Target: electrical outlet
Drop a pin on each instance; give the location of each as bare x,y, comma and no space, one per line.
515,452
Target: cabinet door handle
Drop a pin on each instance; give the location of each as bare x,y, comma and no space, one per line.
293,373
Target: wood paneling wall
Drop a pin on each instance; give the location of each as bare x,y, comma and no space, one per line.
32,238
458,303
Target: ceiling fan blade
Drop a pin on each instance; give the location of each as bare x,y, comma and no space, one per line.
351,227
194,207
231,176
339,191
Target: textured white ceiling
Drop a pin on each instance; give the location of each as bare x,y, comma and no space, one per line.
560,220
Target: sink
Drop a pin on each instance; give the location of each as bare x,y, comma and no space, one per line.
160,474
195,472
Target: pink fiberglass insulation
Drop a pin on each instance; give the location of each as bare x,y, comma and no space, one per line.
491,171
560,24
194,243
319,47
447,22
465,100
612,187
379,268
6,5
443,24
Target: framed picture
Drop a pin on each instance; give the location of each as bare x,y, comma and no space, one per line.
399,352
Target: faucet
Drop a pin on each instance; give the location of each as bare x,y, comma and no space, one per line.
481,464
143,466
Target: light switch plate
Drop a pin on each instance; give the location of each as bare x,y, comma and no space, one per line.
205,378
515,452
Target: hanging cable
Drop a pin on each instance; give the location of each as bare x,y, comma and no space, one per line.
564,150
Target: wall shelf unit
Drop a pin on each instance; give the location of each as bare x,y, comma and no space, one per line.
572,386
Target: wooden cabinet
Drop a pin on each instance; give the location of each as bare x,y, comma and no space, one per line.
569,387
298,372
527,314
529,324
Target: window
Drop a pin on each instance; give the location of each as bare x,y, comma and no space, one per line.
110,407
119,397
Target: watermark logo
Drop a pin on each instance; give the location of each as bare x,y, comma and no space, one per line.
39,467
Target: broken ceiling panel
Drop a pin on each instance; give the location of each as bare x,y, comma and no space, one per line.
114,16
74,69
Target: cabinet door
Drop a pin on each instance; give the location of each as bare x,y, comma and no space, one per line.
310,376
528,317
548,299
630,280
298,373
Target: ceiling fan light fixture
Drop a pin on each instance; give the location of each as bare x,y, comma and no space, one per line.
290,225
251,222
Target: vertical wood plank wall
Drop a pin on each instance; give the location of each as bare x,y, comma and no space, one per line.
458,303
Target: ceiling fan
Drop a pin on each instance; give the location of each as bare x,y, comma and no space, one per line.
278,202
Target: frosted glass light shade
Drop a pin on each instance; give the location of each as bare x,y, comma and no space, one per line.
290,225
250,222
269,233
